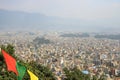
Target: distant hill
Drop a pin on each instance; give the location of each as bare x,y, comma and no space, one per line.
23,20
18,20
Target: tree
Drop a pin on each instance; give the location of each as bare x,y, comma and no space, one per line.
75,74
8,48
42,72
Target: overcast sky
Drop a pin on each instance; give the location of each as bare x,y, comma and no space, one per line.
107,11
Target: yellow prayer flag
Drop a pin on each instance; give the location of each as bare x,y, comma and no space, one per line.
32,76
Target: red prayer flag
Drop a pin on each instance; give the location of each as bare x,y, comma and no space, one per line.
10,62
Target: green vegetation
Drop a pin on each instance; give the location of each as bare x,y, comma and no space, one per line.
40,40
75,74
75,35
42,72
8,48
116,37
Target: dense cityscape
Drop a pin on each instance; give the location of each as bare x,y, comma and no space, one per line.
59,39
93,56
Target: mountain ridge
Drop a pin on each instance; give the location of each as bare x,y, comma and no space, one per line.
19,20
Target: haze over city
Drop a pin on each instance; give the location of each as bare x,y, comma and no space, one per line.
60,15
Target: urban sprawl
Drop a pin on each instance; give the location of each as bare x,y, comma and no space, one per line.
97,56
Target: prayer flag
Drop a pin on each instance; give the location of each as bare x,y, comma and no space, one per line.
21,71
10,62
32,76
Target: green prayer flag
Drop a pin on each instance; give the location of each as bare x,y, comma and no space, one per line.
21,71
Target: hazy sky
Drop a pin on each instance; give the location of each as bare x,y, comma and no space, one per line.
85,9
101,11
